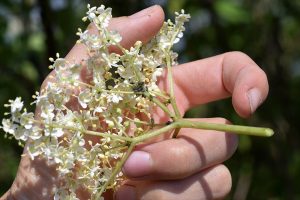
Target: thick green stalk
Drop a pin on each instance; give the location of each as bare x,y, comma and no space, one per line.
237,129
182,123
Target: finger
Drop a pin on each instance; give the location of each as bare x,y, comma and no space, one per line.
212,183
139,26
188,154
218,77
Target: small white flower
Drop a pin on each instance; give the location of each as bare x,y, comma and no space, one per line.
115,37
33,151
16,105
47,112
98,109
157,73
120,119
21,134
57,132
35,133
110,124
26,120
92,16
68,119
114,98
8,126
81,142
101,9
180,35
84,98
176,40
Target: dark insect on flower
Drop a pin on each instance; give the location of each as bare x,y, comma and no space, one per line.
139,87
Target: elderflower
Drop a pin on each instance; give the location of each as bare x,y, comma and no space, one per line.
113,105
15,105
8,126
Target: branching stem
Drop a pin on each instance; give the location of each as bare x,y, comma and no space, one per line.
171,85
118,168
94,133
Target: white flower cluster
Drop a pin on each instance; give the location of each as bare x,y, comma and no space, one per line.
83,125
21,123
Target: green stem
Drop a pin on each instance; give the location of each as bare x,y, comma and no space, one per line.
171,83
182,123
144,122
154,133
160,105
117,169
108,91
237,129
119,148
176,132
88,132
172,94
164,108
118,137
160,94
120,47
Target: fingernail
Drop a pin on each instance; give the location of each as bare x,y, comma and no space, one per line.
143,13
138,164
125,192
254,97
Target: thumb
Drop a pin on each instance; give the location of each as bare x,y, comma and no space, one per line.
141,26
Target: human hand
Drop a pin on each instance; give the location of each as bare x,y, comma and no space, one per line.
188,167
35,176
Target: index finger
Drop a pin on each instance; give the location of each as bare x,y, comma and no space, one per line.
218,77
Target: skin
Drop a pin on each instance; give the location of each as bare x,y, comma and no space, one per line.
188,167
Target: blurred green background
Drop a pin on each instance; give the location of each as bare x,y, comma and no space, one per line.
267,30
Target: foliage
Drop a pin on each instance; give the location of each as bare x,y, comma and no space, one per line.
268,31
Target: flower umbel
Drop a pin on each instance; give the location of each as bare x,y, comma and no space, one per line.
113,107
